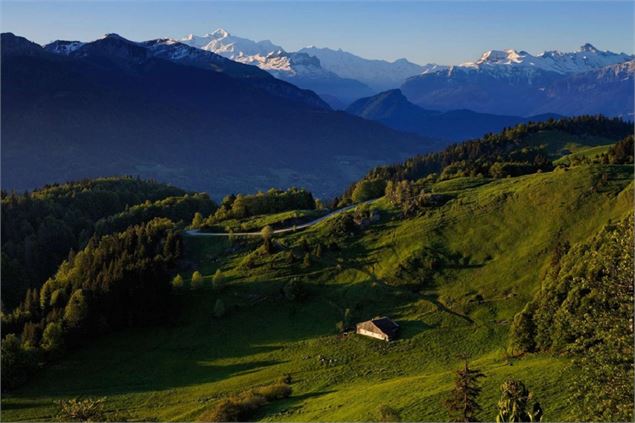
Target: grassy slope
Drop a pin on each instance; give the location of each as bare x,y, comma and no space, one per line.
499,233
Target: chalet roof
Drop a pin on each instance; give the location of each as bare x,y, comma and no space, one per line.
380,324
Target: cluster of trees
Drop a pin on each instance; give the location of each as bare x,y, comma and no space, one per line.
621,152
585,308
412,197
177,209
508,153
116,281
39,228
515,404
273,201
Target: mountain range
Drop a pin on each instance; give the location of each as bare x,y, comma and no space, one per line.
569,83
163,110
393,109
586,81
298,68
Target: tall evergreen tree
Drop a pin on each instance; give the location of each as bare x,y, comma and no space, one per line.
463,403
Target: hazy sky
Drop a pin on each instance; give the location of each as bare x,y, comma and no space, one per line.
447,32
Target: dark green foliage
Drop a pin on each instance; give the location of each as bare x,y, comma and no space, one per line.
514,404
412,197
178,209
120,280
53,338
39,228
523,331
368,189
388,414
463,403
621,152
18,362
586,308
497,155
267,234
197,280
218,280
273,201
571,288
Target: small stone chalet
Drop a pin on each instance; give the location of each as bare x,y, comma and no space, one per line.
379,327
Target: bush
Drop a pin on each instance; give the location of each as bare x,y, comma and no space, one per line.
241,406
18,362
218,280
87,410
388,414
197,280
178,282
53,338
274,391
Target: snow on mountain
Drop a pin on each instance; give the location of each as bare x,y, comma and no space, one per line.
298,68
511,86
378,74
587,58
63,47
228,45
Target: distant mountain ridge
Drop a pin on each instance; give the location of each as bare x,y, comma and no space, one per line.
393,109
378,74
587,58
512,82
298,68
180,53
113,106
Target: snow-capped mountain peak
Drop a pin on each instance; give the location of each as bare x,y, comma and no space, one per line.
222,42
220,33
587,58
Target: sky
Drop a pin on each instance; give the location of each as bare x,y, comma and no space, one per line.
448,32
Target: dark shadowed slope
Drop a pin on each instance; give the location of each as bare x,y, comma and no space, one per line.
393,109
112,107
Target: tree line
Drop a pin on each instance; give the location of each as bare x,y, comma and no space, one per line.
116,281
241,206
39,228
508,153
585,309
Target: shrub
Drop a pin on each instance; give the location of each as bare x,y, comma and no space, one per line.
53,338
87,410
218,280
274,391
388,414
241,406
197,280
178,282
18,362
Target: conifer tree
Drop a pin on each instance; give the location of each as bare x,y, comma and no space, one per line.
463,403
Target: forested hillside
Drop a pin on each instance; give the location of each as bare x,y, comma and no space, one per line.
185,122
41,227
526,275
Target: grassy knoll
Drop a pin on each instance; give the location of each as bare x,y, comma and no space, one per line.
490,246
